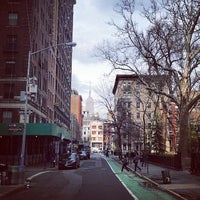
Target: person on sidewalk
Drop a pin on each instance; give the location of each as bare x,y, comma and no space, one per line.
136,160
125,163
143,159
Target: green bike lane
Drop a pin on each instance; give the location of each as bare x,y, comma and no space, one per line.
139,188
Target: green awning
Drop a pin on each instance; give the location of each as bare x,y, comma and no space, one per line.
39,129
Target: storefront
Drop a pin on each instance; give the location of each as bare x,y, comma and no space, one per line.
43,143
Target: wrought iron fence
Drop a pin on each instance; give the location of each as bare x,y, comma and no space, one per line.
171,161
195,163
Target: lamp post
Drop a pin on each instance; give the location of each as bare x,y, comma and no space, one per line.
69,44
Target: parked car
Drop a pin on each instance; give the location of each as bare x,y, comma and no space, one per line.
83,155
95,150
88,153
69,161
87,149
84,147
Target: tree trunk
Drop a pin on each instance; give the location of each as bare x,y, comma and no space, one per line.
184,144
119,143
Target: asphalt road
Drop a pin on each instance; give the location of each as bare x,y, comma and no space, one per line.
93,180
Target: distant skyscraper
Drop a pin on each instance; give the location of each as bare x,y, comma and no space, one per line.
90,103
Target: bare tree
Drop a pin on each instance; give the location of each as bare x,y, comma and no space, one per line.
123,111
117,113
170,46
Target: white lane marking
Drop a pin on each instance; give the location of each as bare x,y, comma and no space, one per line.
31,177
122,182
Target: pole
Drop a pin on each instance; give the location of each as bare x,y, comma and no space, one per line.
25,114
22,156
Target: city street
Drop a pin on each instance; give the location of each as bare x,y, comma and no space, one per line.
99,100
97,178
93,180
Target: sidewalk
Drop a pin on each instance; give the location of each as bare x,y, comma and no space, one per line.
182,182
28,173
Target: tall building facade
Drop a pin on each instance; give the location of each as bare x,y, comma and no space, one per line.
137,110
86,130
42,28
97,135
76,115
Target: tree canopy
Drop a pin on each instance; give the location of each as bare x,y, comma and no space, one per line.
169,45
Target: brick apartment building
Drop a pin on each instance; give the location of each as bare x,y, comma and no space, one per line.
76,116
40,27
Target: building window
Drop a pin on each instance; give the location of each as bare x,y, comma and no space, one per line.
149,93
10,67
138,115
11,42
13,19
7,117
100,127
149,105
124,85
100,133
8,91
100,138
94,126
124,146
137,104
129,115
129,86
137,94
137,85
149,115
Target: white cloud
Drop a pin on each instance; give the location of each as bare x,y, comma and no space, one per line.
91,28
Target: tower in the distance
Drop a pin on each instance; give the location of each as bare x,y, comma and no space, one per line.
90,103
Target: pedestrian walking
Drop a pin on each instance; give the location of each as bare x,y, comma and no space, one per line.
125,163
143,159
136,160
107,153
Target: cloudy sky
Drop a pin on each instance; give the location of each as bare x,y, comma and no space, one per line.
91,28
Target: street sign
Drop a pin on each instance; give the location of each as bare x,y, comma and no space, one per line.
21,112
16,127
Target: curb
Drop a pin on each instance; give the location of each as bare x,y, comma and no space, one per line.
25,185
160,186
154,183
